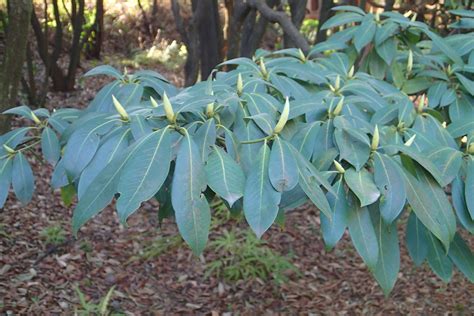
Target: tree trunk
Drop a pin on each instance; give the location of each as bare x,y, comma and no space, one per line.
210,35
324,14
94,49
237,18
19,12
298,12
190,39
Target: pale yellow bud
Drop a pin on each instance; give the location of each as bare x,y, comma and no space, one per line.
410,61
409,142
470,149
338,108
351,72
35,118
339,167
375,139
168,109
240,85
121,111
210,109
263,68
337,83
8,149
154,104
283,117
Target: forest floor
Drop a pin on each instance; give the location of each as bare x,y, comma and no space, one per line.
152,272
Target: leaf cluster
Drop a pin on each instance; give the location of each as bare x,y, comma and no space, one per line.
374,123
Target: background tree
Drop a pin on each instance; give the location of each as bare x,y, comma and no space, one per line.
62,80
19,12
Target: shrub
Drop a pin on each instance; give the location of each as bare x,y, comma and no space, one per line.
347,126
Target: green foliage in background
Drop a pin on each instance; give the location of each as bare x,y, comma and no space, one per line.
374,123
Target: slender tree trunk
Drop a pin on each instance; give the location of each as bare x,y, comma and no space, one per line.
237,18
190,39
324,14
97,33
298,12
19,12
210,35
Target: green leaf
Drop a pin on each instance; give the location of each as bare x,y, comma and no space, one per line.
5,179
448,161
349,8
102,189
422,204
282,169
468,84
304,142
67,194
114,145
417,239
341,19
50,146
363,234
225,176
144,173
260,198
458,198
440,204
365,32
416,85
363,185
205,138
385,31
461,127
333,227
22,178
82,145
387,50
388,264
423,161
462,257
351,149
192,211
444,47
438,259
387,176
104,70
469,189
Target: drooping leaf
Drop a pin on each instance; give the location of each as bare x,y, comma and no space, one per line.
225,176
205,138
417,239
50,145
5,179
192,211
102,189
462,256
438,259
114,145
333,227
282,169
469,189
260,198
388,264
365,32
387,176
363,234
422,204
144,173
22,178
458,198
363,185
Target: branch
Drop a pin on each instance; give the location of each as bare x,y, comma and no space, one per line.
285,22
